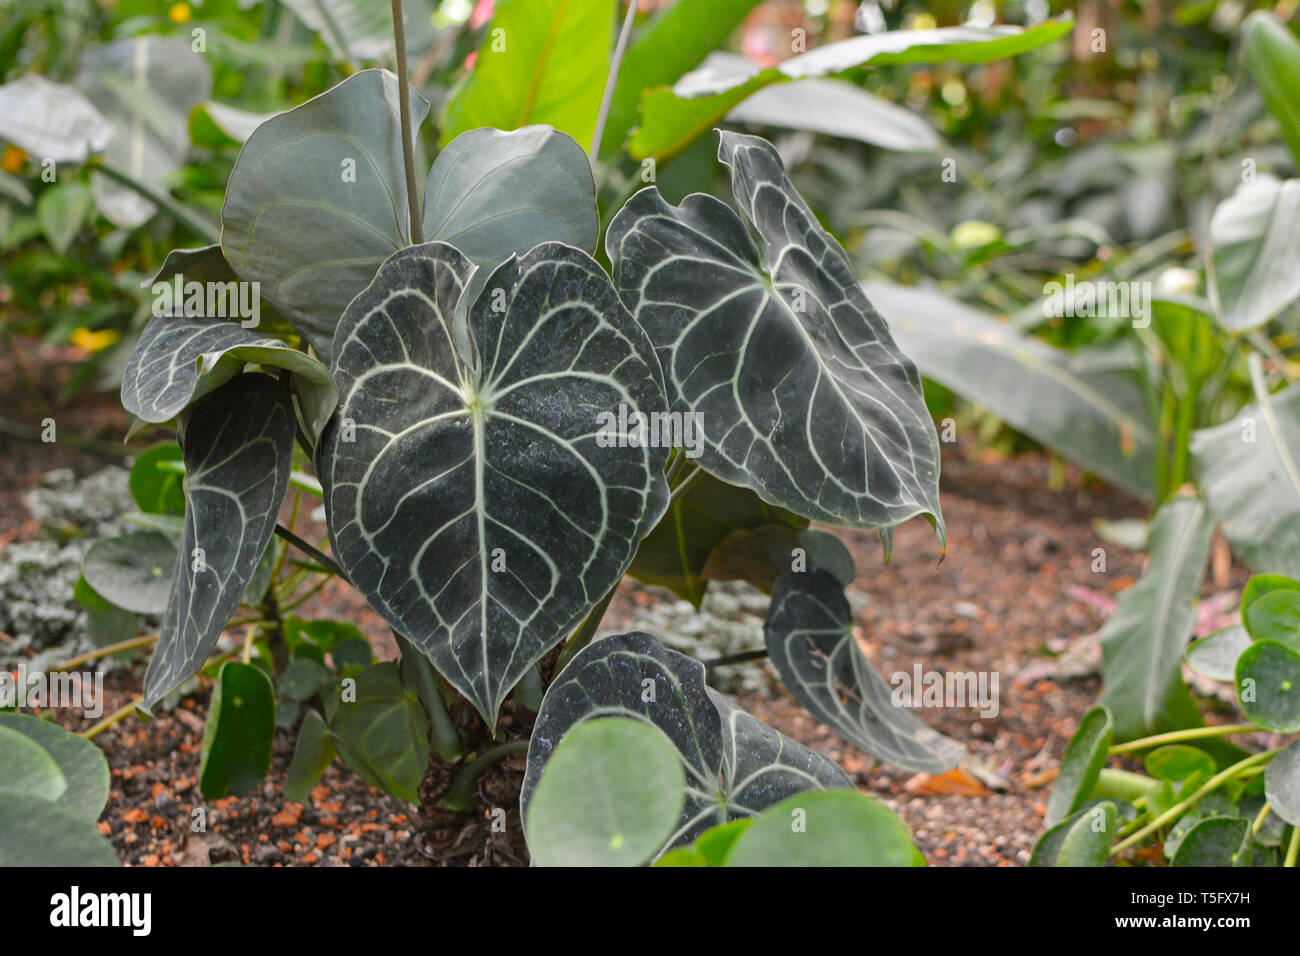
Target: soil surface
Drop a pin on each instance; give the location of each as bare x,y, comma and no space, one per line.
1016,597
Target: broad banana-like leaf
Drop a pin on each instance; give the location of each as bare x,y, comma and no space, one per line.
1096,419
1254,235
799,388
1250,474
541,61
809,631
317,200
1271,52
736,766
1144,640
479,510
238,447
672,118
145,86
51,121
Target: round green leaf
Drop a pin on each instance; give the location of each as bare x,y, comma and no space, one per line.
1261,584
1213,841
28,769
1081,764
82,763
1268,686
1275,616
302,678
35,832
1088,839
154,490
826,828
239,733
1282,783
1216,655
133,571
1178,762
611,795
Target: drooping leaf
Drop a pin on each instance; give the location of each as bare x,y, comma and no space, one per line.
1268,686
312,755
51,121
29,769
1081,765
809,631
238,447
133,571
1282,783
541,61
1249,472
1253,238
1216,655
36,832
611,794
1097,419
1213,841
62,210
802,394
1270,51
834,828
671,118
1144,640
735,765
239,733
81,763
382,734
489,559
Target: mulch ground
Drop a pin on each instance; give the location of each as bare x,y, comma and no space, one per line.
1004,601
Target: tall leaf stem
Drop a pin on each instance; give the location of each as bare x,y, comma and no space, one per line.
408,135
1195,733
614,63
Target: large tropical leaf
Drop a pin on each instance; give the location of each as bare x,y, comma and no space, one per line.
476,508
1097,419
735,764
809,631
541,61
1253,240
1272,54
672,118
238,447
1250,473
1144,640
51,121
317,199
801,392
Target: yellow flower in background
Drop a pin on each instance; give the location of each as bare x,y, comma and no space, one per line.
13,160
180,13
93,342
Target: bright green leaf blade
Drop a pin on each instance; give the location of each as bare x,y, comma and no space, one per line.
1275,617
1262,584
1268,686
383,734
1216,655
312,755
1087,841
1271,53
1211,842
611,795
133,571
828,828
1179,762
81,763
153,489
239,733
51,120
715,843
28,769
62,210
542,61
1144,641
1253,240
35,832
1081,765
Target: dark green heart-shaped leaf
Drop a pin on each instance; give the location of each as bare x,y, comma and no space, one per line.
1179,762
155,490
1213,841
809,631
827,828
798,387
29,769
240,730
312,755
36,832
381,730
1275,616
82,763
1249,470
1081,765
238,447
1268,686
1144,640
1282,783
611,794
735,764
1216,655
494,553
1253,238
302,678
133,571
761,555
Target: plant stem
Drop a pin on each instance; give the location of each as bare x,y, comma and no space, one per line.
319,557
1293,848
1263,815
408,137
585,632
105,651
460,795
684,485
111,719
200,227
1196,733
735,659
615,62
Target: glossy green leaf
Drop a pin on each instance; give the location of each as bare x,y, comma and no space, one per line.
238,447
1270,51
1216,655
1268,686
1179,762
51,121
1081,765
80,762
36,832
133,571
1262,584
62,210
29,769
826,828
1213,841
312,755
1275,616
156,490
798,387
1144,640
1253,238
1095,418
239,733
611,795
809,634
1088,839
493,557
1282,783
382,733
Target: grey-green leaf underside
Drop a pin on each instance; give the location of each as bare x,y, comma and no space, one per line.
809,632
736,766
476,508
803,395
238,448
